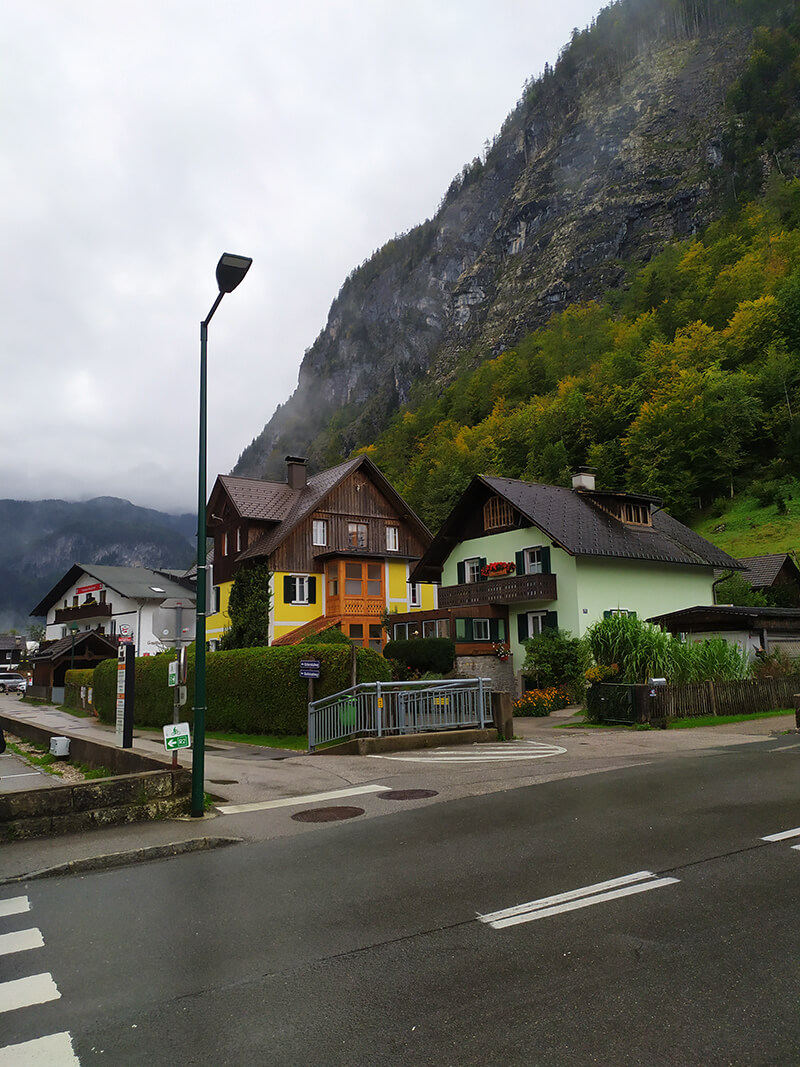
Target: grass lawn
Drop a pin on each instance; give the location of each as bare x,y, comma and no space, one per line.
679,724
295,742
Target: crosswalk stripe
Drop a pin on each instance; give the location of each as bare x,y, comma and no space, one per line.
782,835
20,941
525,750
55,1050
308,798
14,906
25,992
639,882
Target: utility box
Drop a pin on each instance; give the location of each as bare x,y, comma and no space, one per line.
59,746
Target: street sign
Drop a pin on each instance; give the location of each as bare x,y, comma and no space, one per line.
172,673
310,668
177,736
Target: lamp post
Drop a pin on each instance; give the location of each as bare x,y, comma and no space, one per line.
230,271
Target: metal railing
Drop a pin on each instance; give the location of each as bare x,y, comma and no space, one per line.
378,709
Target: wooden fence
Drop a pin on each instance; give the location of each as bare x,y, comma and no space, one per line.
643,703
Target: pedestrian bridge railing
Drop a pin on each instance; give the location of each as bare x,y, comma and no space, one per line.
380,709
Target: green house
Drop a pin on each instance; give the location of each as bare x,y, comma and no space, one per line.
514,558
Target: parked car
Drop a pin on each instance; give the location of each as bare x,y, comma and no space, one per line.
12,682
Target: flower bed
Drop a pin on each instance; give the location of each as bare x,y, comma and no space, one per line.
540,702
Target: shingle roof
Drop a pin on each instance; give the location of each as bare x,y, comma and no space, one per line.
761,571
265,501
574,520
138,583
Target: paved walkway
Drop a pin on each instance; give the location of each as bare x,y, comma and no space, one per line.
260,789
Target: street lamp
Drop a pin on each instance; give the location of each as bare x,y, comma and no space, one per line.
230,271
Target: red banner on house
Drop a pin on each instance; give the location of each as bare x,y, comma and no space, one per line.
89,588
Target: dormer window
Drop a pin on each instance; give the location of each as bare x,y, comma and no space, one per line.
630,512
497,513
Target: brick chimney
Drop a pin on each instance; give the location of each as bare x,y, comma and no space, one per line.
583,478
296,472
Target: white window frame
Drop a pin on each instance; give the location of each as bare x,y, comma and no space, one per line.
487,633
535,622
392,539
414,595
472,570
533,559
319,532
300,589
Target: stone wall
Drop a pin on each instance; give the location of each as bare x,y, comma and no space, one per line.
501,673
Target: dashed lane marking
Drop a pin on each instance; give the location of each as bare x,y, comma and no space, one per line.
14,906
783,835
505,753
55,1050
639,882
309,798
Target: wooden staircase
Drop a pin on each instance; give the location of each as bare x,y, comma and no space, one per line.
308,629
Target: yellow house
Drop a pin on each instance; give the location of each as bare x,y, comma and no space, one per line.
339,545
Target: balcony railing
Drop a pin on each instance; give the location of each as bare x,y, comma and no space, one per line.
499,591
83,611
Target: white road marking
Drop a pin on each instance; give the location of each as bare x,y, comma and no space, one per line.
14,906
309,798
20,941
25,992
782,835
27,774
55,1050
639,882
521,750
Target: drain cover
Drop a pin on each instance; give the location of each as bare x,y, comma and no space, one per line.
327,814
408,794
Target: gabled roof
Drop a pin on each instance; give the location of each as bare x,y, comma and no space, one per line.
287,507
727,616
574,520
65,646
137,583
12,643
761,571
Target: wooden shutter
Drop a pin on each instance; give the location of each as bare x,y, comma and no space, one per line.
483,577
288,589
522,627
462,573
544,556
520,559
550,620
312,590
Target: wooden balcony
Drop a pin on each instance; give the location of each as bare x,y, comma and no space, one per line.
523,587
83,612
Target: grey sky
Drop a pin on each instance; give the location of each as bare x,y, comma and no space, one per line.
143,138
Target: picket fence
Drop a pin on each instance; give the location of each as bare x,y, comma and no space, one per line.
660,703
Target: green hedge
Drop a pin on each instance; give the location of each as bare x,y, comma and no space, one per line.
435,654
248,690
74,680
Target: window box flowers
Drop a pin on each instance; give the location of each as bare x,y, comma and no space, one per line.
501,651
498,570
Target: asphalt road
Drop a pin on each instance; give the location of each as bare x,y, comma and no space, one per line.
388,941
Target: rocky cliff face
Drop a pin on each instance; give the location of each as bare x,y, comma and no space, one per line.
607,158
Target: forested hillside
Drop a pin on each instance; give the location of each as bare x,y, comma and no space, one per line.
574,260
685,385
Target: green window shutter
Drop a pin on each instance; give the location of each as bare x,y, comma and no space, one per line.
461,630
607,614
288,589
312,590
520,557
544,556
483,564
462,573
501,629
494,633
522,627
550,620
468,630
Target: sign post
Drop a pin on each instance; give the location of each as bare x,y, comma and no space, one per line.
126,674
310,668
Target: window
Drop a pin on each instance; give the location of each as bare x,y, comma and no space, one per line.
356,633
319,533
238,539
352,579
472,570
497,513
480,629
618,611
102,596
225,543
357,534
636,513
374,583
375,637
392,539
75,602
299,589
414,595
436,628
535,623
533,560
401,631
333,580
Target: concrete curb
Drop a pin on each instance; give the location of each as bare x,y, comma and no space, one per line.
124,859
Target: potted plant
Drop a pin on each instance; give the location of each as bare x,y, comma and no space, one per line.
498,569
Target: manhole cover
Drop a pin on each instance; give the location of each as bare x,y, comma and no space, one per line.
223,781
408,794
327,814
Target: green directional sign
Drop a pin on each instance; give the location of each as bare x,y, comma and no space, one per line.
177,736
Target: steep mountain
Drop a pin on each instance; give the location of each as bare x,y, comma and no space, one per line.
635,138
41,539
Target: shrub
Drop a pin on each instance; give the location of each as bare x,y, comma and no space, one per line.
74,681
248,690
332,636
775,664
422,654
540,702
554,658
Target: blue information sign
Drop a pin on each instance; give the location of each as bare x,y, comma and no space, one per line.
309,668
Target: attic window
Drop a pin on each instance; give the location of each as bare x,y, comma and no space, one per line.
636,513
497,513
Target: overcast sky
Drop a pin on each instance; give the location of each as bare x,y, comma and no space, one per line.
143,138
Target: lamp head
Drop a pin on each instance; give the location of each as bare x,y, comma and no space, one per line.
230,271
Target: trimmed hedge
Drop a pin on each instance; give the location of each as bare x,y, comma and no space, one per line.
435,654
248,690
74,680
